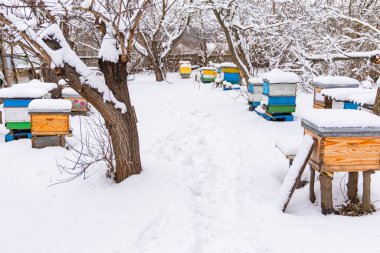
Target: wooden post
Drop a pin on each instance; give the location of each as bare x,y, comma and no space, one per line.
326,193
366,199
311,189
352,186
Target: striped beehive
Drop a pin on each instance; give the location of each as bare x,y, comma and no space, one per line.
279,94
229,76
208,74
185,70
79,104
49,121
255,92
329,82
16,101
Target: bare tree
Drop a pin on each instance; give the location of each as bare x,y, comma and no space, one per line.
161,28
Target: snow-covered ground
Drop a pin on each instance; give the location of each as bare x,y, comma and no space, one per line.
211,177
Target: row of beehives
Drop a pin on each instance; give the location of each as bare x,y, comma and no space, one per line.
330,92
31,113
226,75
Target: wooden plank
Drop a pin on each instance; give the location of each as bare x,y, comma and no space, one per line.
50,124
350,151
280,89
16,114
17,125
279,108
347,168
305,144
47,141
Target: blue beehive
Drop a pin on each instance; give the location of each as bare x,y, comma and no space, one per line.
279,95
255,92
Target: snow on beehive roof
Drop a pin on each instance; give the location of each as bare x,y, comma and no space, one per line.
228,65
279,76
335,82
187,65
343,94
50,105
335,118
255,80
36,84
70,92
364,98
12,92
207,68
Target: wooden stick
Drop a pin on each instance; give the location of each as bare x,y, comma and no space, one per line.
298,180
326,194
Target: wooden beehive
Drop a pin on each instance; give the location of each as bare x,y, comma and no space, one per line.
348,147
16,100
185,70
78,103
49,117
208,74
328,82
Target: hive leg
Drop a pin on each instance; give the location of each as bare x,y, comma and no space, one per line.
352,186
326,194
311,187
366,199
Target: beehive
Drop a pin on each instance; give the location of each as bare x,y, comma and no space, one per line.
185,70
208,74
230,73
328,82
49,117
346,140
16,101
279,92
255,91
79,104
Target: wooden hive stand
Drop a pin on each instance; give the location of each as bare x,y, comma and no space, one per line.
49,122
346,141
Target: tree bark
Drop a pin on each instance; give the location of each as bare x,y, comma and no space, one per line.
158,73
376,107
6,71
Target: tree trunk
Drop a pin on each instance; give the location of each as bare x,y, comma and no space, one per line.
122,127
158,73
14,67
376,107
7,73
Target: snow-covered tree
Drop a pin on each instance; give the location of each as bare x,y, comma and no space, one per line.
160,30
42,28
